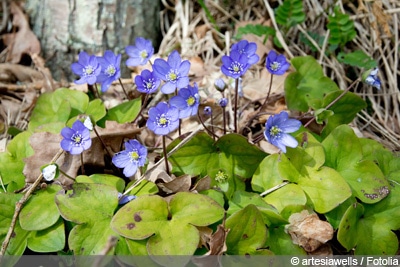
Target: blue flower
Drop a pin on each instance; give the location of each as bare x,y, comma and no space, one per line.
87,67
76,139
131,158
139,53
277,128
207,110
163,119
276,64
174,72
371,77
110,69
187,101
220,85
146,82
235,65
223,102
247,48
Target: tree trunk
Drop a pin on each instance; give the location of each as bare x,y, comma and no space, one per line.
66,27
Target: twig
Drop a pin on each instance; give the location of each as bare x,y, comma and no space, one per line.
19,204
111,243
273,189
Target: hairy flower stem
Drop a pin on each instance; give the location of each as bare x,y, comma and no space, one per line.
19,205
206,128
236,104
94,90
102,141
269,92
165,155
146,97
82,167
224,119
66,175
123,88
335,100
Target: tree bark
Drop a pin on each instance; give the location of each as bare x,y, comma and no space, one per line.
66,27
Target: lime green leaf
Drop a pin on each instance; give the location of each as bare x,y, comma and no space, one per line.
106,179
18,241
51,239
344,110
267,175
247,231
290,194
325,187
143,188
91,206
241,199
40,212
344,153
321,115
96,110
125,112
148,216
347,234
11,161
281,242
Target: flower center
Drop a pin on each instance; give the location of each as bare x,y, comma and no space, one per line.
236,67
143,54
110,70
88,70
275,131
221,176
190,101
275,65
134,155
77,138
148,84
172,76
163,121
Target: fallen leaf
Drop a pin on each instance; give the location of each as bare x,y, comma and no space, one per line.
24,41
179,184
308,231
218,241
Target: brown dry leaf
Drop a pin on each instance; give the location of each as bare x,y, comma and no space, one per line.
12,73
218,241
255,89
24,41
202,184
205,235
197,70
179,184
308,231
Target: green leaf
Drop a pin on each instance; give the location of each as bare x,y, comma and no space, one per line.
281,242
290,194
241,199
96,110
322,115
257,29
341,28
267,175
11,161
40,212
358,59
144,187
325,187
373,229
307,85
344,153
51,239
125,112
91,206
345,110
148,216
58,106
106,179
18,241
348,234
247,231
